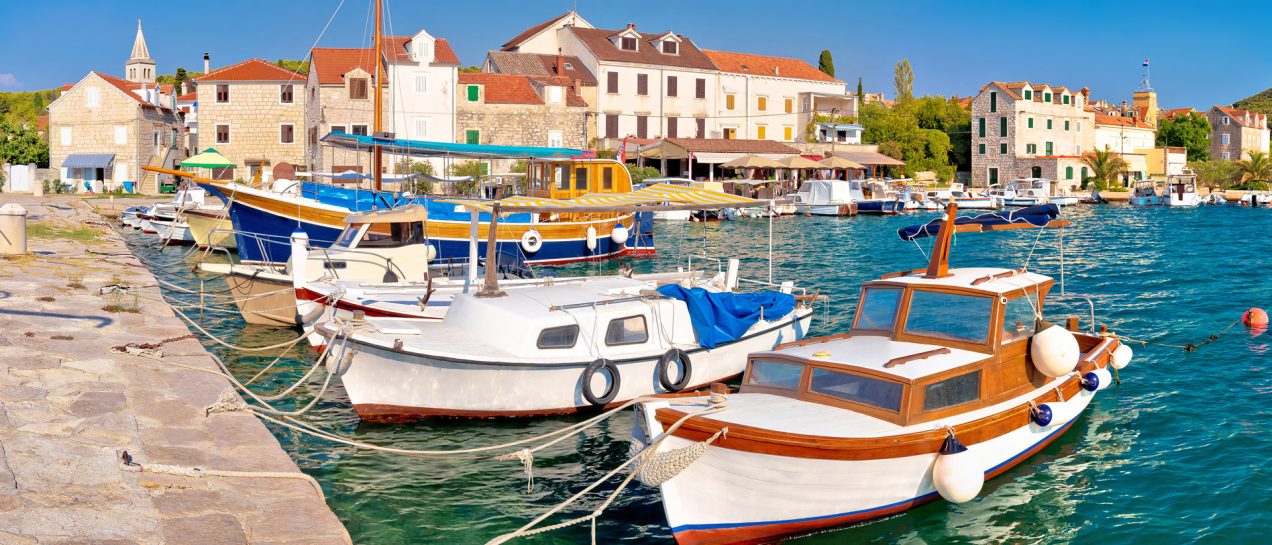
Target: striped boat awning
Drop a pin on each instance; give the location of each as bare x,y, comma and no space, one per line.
88,160
648,197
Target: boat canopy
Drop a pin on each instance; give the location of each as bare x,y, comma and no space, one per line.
405,214
421,148
599,202
1032,216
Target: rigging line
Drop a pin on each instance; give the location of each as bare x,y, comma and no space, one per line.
309,54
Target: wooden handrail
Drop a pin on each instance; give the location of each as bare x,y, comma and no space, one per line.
989,277
899,360
812,340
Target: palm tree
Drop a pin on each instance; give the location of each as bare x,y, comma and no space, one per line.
1258,166
1105,166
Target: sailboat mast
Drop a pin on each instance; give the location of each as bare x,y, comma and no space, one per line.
377,159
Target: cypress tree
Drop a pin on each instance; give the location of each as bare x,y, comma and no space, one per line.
826,64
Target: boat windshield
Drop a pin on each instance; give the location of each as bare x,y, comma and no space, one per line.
878,308
870,391
950,316
348,235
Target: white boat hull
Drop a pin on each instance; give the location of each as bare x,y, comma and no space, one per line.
1024,201
826,209
730,496
1188,200
976,204
673,215
386,385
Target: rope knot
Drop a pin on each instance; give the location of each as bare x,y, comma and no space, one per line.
227,402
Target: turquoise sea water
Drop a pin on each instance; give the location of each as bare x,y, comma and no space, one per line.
1178,453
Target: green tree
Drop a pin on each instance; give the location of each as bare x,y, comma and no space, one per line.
1214,174
1106,166
945,115
903,80
640,174
1191,132
861,96
899,135
474,169
178,80
300,66
1261,103
826,63
22,145
417,186
469,69
1255,167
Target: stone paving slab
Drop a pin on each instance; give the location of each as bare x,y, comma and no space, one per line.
69,406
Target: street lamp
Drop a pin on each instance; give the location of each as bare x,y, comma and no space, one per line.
834,134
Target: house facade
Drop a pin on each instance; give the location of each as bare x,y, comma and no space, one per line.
338,93
1021,129
511,110
253,113
1132,138
776,98
567,69
103,129
422,76
1235,133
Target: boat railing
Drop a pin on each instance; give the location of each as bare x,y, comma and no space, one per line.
1089,301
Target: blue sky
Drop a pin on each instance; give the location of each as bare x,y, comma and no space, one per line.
1199,55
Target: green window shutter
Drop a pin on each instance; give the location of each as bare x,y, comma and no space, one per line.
473,93
982,127
1066,124
1084,174
1066,99
1002,148
1031,122
1002,126
1046,97
1028,94
1048,148
472,136
980,148
1048,124
1068,173
993,101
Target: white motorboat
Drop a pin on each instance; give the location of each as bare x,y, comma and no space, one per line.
1181,190
947,378
1145,194
1028,192
965,199
826,198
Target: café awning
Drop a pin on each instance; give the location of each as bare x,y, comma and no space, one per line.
88,160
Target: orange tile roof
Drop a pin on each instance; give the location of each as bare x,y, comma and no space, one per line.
1120,121
331,63
188,97
503,88
1176,112
252,70
397,48
762,65
530,32
128,87
1239,116
42,122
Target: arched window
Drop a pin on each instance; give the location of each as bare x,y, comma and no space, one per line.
1068,173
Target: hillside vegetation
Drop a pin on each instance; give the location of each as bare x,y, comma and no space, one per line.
1261,103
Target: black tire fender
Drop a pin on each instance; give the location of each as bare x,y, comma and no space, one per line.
615,384
664,370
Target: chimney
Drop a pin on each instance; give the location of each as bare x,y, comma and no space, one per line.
207,59
631,26
560,63
777,70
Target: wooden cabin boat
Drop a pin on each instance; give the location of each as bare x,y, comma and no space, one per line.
1181,190
947,378
1145,194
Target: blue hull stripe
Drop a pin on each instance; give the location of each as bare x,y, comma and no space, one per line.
690,527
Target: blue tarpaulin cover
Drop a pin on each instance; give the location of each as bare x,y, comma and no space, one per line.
720,318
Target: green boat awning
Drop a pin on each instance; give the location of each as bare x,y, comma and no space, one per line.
210,158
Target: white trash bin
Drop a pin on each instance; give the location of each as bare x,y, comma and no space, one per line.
13,236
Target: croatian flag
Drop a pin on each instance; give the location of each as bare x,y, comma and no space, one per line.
1145,62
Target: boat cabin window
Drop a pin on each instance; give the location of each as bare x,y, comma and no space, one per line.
950,316
962,389
559,337
630,330
869,391
772,374
607,178
1019,318
580,178
349,234
563,177
878,308
393,235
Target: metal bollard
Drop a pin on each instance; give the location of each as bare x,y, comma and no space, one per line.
13,235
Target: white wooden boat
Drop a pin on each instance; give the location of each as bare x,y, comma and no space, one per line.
825,198
941,384
1181,191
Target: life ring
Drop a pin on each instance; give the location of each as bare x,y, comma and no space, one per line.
531,241
611,393
664,370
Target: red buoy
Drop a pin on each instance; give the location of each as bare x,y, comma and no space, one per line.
1255,317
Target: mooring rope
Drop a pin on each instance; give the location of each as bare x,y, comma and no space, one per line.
1190,347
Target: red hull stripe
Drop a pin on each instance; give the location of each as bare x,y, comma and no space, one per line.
761,532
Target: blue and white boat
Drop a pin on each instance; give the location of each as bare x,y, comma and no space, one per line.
1145,194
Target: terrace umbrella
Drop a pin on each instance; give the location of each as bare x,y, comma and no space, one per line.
209,159
752,161
799,162
835,162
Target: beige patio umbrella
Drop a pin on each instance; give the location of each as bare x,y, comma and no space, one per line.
752,161
840,163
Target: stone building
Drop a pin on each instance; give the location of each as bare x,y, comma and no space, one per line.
253,113
103,129
339,100
777,98
511,110
569,69
1235,133
1023,130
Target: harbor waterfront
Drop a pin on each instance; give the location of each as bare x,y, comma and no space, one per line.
1171,454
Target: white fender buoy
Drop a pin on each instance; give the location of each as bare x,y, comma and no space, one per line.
1122,357
1054,351
957,474
619,234
531,241
1096,380
299,260
591,238
1055,414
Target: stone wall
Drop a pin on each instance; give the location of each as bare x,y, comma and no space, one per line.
522,124
992,158
333,107
255,116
